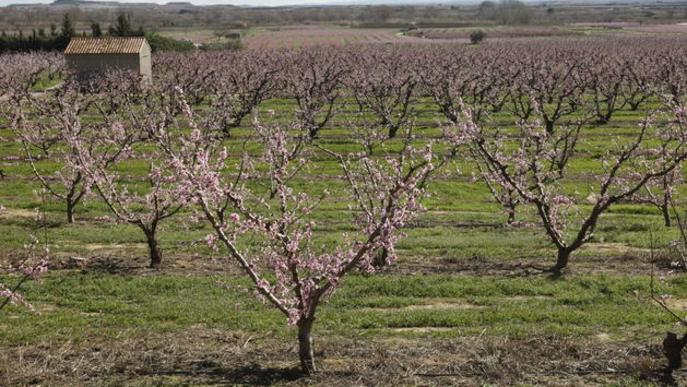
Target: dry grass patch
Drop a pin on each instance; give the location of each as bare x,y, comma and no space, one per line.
17,213
199,355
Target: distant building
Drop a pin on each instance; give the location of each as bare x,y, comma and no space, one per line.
86,57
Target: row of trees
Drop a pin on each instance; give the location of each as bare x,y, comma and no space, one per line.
506,12
57,40
588,80
259,213
39,40
561,98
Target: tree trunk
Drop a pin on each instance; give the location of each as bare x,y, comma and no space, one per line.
393,129
561,261
602,117
305,349
665,206
153,249
605,117
549,126
672,349
666,215
313,130
379,260
70,211
511,215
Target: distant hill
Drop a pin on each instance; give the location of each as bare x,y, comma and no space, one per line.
85,3
314,3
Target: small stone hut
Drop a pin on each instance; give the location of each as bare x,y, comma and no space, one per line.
86,57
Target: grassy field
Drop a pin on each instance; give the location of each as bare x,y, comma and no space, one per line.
295,36
462,306
298,36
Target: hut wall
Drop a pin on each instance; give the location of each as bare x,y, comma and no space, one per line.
145,60
85,65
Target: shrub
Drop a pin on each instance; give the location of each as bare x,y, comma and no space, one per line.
163,43
477,36
233,44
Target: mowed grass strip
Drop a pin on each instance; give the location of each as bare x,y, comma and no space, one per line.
76,305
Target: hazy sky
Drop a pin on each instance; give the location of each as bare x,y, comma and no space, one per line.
200,2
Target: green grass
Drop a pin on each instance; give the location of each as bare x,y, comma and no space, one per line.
77,305
456,199
463,228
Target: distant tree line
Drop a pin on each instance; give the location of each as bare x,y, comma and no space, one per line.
57,40
506,12
39,39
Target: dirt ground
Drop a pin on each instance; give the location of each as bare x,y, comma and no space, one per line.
603,258
211,357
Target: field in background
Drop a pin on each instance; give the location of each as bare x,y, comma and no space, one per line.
295,36
305,36
197,36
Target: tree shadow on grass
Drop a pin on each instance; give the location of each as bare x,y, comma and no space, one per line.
475,265
256,375
660,377
211,373
107,264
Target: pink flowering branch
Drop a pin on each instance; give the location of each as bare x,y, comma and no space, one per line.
240,84
504,194
290,271
551,87
313,77
20,72
451,77
143,204
44,136
536,165
660,192
32,267
381,82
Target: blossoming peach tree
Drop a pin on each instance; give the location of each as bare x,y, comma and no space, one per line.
41,126
31,266
260,200
534,162
144,204
119,145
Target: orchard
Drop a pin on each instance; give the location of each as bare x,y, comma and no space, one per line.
549,169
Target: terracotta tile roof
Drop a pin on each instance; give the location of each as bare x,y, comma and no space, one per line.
107,45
